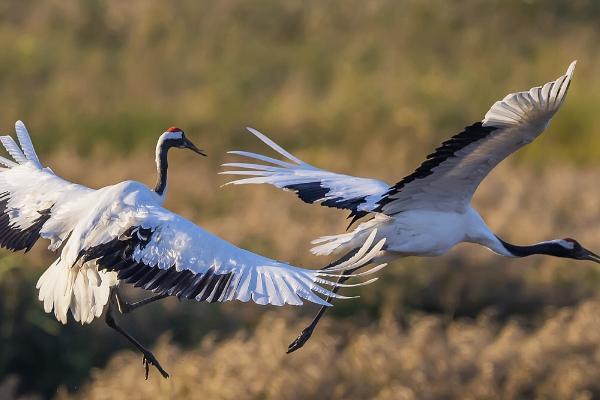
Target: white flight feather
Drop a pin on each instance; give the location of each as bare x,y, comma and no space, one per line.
26,144
79,218
284,174
13,149
520,117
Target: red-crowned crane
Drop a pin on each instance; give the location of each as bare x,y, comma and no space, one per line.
429,211
122,234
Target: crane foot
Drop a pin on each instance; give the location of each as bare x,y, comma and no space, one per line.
301,339
148,360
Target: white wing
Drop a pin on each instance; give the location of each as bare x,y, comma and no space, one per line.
449,177
34,201
312,185
26,144
157,250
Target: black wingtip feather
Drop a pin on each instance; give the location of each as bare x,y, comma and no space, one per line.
448,149
313,192
13,238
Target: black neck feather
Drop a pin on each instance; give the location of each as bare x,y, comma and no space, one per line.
547,248
161,168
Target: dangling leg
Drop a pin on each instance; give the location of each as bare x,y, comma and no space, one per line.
125,307
149,358
308,331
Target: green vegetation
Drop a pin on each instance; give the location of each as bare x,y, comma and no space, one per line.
367,87
110,72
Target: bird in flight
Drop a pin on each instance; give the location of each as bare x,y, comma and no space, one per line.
121,234
429,211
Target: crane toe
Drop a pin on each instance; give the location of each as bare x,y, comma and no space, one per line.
148,360
299,342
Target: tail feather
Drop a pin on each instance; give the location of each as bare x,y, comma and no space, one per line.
345,242
82,289
331,244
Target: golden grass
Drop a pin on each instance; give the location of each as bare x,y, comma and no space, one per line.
112,73
430,358
553,356
366,88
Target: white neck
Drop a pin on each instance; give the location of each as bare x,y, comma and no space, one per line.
479,232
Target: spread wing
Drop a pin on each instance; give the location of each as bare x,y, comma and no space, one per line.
34,202
157,250
311,184
448,178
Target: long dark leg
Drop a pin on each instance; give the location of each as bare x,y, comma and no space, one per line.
125,307
308,331
149,358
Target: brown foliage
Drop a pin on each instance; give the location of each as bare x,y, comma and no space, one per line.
429,359
366,88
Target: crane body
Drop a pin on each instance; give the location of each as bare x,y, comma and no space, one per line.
424,233
121,234
429,211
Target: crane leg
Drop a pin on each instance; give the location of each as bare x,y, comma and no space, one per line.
308,331
125,307
149,358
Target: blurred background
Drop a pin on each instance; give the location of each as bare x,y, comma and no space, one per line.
361,87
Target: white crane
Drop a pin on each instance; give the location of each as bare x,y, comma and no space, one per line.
429,211
122,234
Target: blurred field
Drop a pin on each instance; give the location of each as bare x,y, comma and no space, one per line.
429,358
367,88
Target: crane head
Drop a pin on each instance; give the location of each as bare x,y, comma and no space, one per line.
572,249
175,137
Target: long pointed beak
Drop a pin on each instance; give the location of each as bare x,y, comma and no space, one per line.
189,145
588,255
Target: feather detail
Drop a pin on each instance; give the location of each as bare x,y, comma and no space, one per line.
26,144
13,149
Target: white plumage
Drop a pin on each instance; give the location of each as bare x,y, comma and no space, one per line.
332,190
26,144
90,224
122,234
429,211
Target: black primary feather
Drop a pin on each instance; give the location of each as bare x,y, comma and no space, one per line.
116,255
